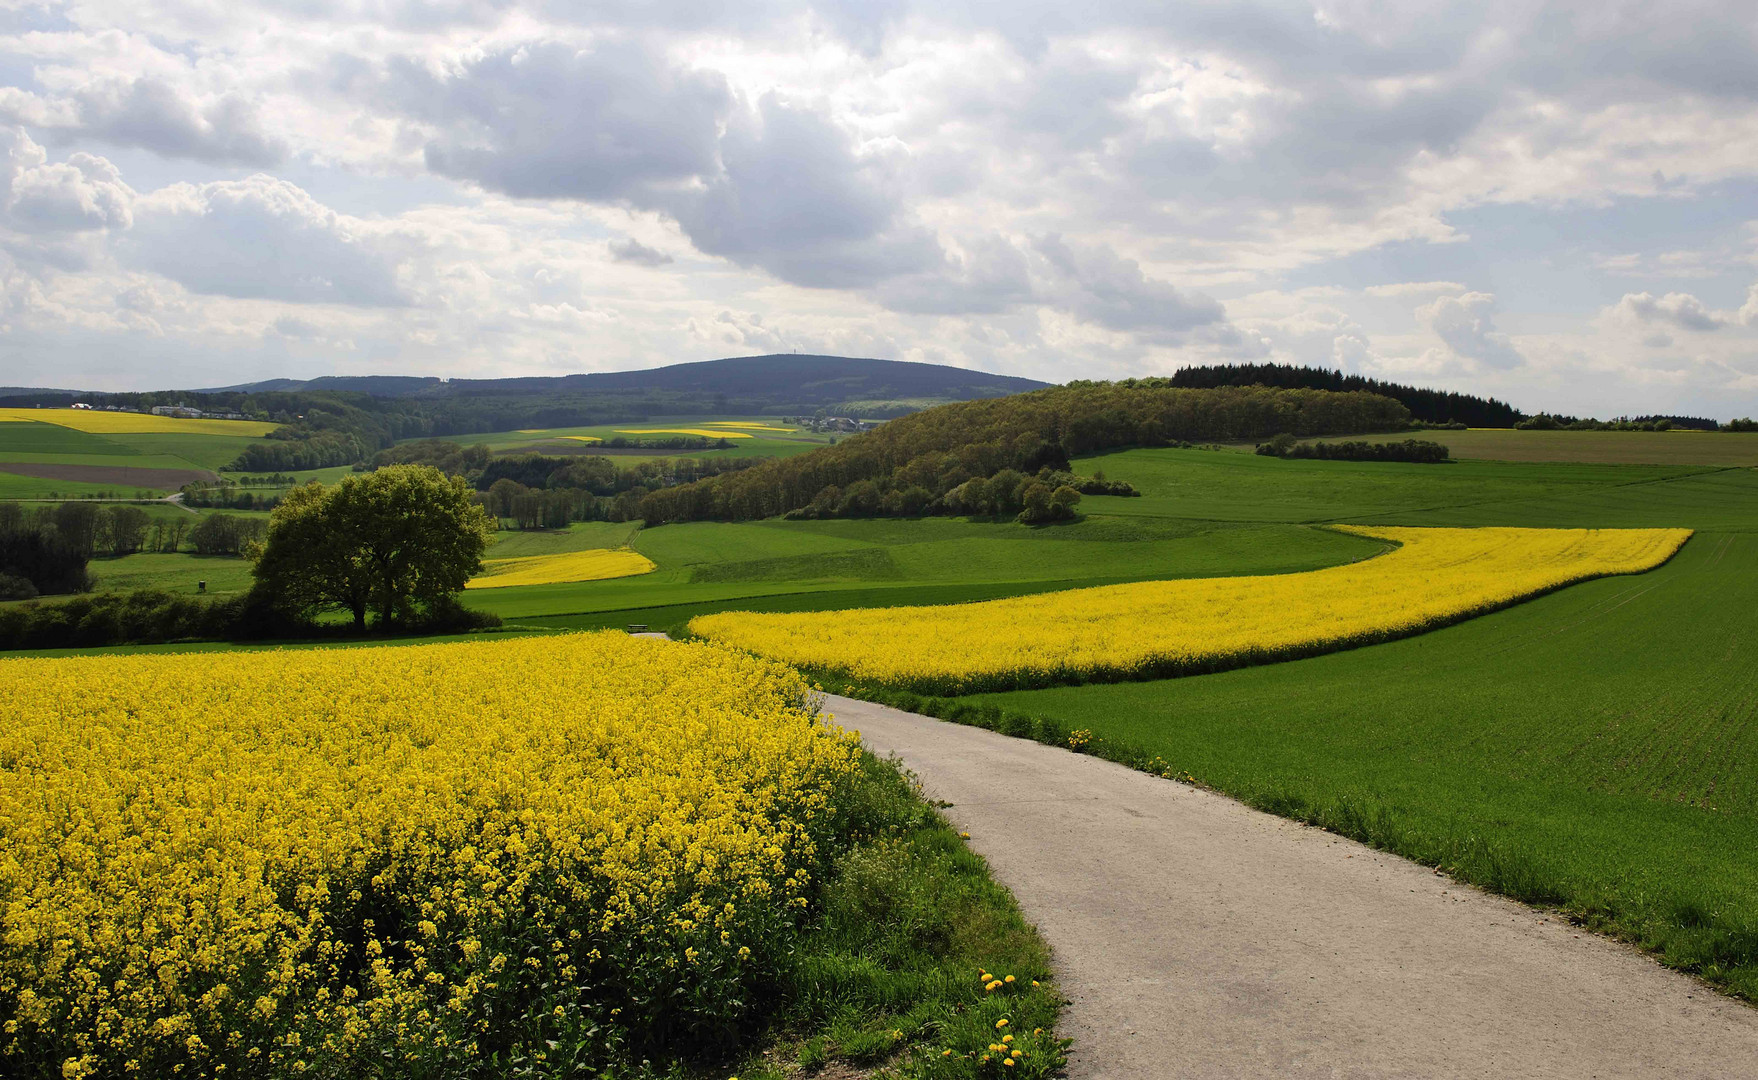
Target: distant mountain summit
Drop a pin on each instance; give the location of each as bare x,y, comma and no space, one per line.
779,381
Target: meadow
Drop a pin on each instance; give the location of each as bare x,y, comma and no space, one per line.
1161,628
1590,749
1678,447
747,436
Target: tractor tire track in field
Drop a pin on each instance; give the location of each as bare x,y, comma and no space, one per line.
1196,937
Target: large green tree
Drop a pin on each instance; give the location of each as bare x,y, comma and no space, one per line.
394,542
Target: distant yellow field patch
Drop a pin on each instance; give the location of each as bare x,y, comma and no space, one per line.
532,430
596,564
583,438
748,425
705,433
97,422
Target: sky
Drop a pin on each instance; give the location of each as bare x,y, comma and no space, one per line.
1554,204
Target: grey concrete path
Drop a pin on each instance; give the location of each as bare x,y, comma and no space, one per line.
1199,938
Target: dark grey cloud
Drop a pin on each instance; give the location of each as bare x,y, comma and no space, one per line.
1100,287
790,196
769,185
611,122
634,251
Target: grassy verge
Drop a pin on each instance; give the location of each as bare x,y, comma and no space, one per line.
889,973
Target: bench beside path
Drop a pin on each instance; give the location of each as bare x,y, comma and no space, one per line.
1196,937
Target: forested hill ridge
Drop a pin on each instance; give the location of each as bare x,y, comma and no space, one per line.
1428,406
341,420
981,456
777,383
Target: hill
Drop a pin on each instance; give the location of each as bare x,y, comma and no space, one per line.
764,384
980,456
1428,406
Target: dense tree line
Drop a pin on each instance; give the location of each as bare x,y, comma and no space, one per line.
1429,406
917,460
1419,451
1558,422
540,491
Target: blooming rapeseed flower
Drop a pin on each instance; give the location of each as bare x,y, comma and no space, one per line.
1158,628
269,862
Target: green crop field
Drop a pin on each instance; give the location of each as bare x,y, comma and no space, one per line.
1605,447
574,440
42,460
710,566
1593,749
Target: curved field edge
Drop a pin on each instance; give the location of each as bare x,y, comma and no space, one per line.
564,567
735,628
895,916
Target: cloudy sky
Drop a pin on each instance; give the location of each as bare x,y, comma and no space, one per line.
1553,203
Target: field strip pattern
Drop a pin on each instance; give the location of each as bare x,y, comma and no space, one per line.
1162,628
1199,938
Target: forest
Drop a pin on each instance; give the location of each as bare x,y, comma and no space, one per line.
913,463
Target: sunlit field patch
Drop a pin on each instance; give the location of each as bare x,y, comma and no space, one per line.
96,421
412,861
705,433
583,438
594,564
1160,628
749,425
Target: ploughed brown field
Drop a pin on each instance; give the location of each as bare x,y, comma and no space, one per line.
118,475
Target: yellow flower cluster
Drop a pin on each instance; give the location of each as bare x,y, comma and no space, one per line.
1159,628
391,859
595,564
706,433
97,421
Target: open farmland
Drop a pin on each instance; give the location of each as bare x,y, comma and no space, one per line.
1585,749
595,564
1677,447
1159,628
606,851
746,437
83,452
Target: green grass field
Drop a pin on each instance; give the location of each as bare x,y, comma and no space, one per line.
1593,749
1603,447
556,440
32,443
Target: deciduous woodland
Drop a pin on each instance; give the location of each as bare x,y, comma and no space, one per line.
917,460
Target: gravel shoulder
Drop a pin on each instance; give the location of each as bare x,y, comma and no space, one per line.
1196,937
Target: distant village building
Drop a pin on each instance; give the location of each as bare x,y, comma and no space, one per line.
184,412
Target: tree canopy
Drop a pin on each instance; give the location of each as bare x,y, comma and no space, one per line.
396,542
920,460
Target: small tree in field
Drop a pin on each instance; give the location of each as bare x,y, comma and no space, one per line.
394,542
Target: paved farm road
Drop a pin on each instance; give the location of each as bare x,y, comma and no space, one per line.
1199,938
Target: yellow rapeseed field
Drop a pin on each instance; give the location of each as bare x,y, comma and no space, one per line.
398,860
595,564
706,433
1158,628
98,422
749,425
